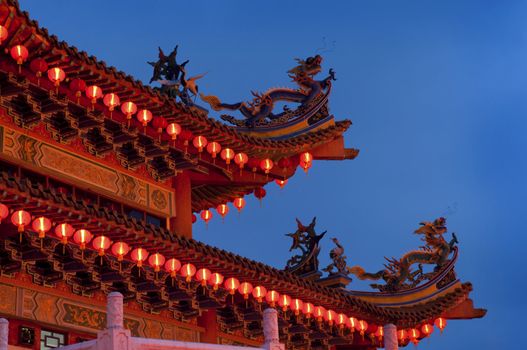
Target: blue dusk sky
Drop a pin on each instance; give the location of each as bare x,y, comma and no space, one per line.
436,91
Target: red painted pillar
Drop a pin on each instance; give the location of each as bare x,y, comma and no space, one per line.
207,320
181,224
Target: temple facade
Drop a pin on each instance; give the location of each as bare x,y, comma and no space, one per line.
102,178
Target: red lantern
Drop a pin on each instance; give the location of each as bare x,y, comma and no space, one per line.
284,164
260,193
213,148
362,326
402,335
266,165
245,289
111,101
306,161
308,309
56,75
93,93
330,316
172,266
144,116
296,306
187,271
41,225
231,284
380,332
427,329
120,249
414,335
19,54
203,276
186,136
281,183
4,212
215,280
272,297
64,231
82,237
320,313
160,124
139,255
156,261
241,159
440,323
3,34
128,108
284,301
78,86
239,203
227,155
200,142
342,320
21,219
206,215
173,129
101,243
223,210
38,66
259,292
353,323
254,164
194,218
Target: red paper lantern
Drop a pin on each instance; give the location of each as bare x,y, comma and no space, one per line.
266,165
215,280
227,155
223,210
281,183
245,289
21,219
213,148
272,297
78,86
284,301
172,266
194,218
342,320
427,329
231,284
414,335
206,215
41,225
101,243
111,101
120,249
173,130
200,142
380,332
156,261
56,75
38,66
144,116
239,203
82,237
3,33
308,309
402,335
241,159
284,163
4,212
306,161
330,316
159,123
362,326
440,323
139,255
254,164
259,193
93,92
187,271
128,108
259,292
353,323
320,313
64,231
296,306
202,276
19,54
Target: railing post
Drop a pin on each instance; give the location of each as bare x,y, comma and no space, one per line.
114,311
390,337
4,333
270,328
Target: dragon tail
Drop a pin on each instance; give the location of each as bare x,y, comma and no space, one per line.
213,101
363,275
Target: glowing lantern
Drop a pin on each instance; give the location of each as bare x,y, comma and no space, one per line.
379,333
139,255
38,66
82,237
427,329
93,93
3,34
281,183
206,215
259,292
272,297
362,326
144,116
260,193
4,212
414,335
296,306
120,249
239,203
173,129
56,75
353,323
111,101
41,225
306,161
440,323
128,108
213,148
308,309
245,289
172,266
215,280
319,313
284,301
231,284
402,335
78,86
227,155
187,271
19,54
266,165
241,159
203,276
21,219
223,210
341,320
156,261
330,316
64,231
159,123
200,142
101,243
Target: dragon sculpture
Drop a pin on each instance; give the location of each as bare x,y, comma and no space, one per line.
307,241
261,107
399,274
338,260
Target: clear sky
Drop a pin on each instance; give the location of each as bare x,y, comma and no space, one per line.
436,92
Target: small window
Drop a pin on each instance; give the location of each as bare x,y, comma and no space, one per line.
51,340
